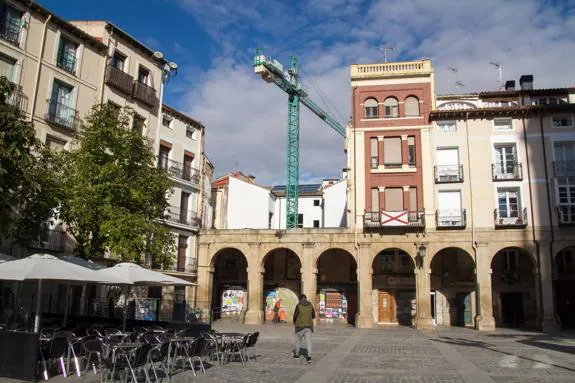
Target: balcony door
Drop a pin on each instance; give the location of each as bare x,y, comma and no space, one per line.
508,203
564,158
505,158
184,203
449,207
188,167
62,102
447,160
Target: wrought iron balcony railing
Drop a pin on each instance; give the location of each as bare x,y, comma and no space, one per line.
448,173
62,115
177,215
382,219
506,172
510,218
10,30
50,240
566,214
564,168
119,79
456,219
180,170
145,93
67,62
187,267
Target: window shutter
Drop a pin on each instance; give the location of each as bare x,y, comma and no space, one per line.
411,106
413,199
374,149
394,199
392,150
375,199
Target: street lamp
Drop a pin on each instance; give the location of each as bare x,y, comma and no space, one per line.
421,253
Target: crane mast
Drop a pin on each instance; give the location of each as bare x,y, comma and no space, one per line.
272,71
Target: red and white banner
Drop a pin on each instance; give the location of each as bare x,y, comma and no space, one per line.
394,218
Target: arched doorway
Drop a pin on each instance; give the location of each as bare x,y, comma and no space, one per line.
336,298
393,282
453,287
229,288
282,284
513,284
564,286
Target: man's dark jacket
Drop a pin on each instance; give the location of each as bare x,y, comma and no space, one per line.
303,315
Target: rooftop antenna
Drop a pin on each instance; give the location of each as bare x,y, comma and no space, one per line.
458,84
500,75
384,50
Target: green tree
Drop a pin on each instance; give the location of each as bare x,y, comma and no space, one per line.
29,187
115,197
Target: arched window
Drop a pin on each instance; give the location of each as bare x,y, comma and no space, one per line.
371,108
391,107
411,106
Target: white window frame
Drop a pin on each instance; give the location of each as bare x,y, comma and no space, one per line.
369,116
169,119
566,208
442,126
194,132
499,128
506,190
568,119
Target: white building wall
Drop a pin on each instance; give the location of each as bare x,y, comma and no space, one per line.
248,205
335,205
305,207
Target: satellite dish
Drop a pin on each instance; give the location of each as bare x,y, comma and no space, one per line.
159,55
173,65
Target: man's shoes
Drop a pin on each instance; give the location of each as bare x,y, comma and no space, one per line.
295,356
308,359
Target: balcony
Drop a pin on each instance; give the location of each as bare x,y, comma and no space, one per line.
19,100
145,93
507,171
67,62
187,267
564,168
119,79
380,219
50,240
62,115
180,171
507,220
448,173
10,30
450,219
176,215
566,214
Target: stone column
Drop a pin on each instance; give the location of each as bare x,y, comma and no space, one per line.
364,318
309,272
423,319
255,313
548,322
484,321
204,280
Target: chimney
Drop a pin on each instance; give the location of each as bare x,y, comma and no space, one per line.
510,85
526,82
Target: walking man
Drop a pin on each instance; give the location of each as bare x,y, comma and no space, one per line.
303,317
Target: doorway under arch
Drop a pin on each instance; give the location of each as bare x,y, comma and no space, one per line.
564,286
230,282
282,284
453,285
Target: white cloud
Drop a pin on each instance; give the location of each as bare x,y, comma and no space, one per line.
246,118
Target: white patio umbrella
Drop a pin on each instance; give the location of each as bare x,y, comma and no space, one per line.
6,258
138,275
82,262
45,267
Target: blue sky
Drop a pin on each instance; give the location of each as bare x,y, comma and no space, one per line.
213,43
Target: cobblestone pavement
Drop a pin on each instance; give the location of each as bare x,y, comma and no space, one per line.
397,355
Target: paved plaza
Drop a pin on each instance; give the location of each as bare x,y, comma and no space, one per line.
397,354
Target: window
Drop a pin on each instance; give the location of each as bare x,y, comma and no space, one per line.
565,195
374,199
182,248
411,104
392,151
60,107
391,107
446,126
413,198
10,23
502,124
548,101
564,158
188,171
191,132
394,199
508,203
118,61
511,261
316,202
166,121
184,203
7,66
138,124
316,223
179,293
505,159
300,221
67,51
371,108
163,157
374,152
143,75
563,122
55,144
386,260
411,151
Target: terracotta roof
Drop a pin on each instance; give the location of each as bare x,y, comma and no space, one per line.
508,111
517,92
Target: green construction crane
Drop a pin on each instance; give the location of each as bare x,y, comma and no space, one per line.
272,71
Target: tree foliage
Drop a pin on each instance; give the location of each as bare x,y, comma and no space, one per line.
29,186
115,197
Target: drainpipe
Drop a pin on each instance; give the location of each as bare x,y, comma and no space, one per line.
38,68
106,65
